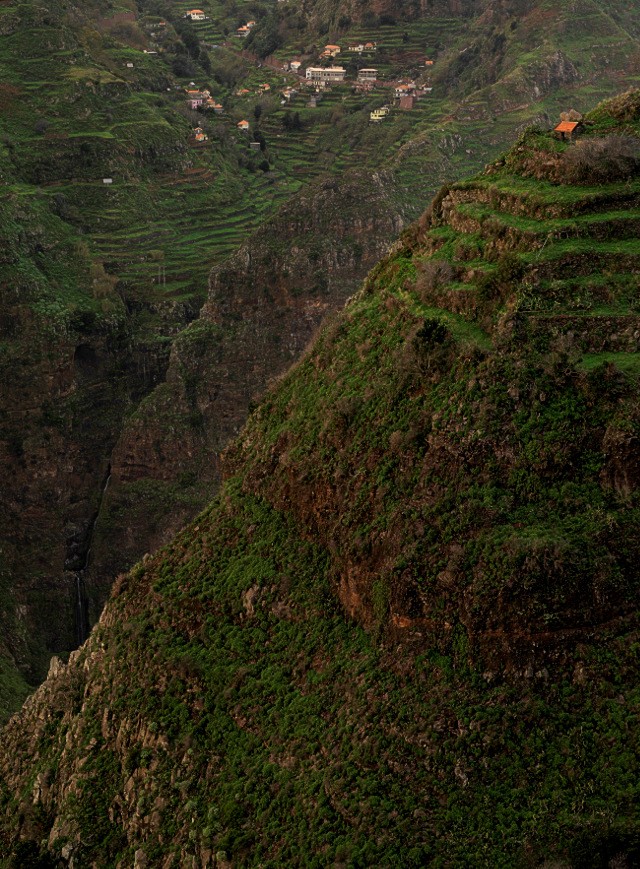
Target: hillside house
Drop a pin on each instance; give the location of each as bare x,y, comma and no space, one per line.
331,51
243,31
289,93
357,48
568,130
195,99
295,65
404,89
367,74
325,75
195,15
378,115
370,46
243,125
265,87
199,135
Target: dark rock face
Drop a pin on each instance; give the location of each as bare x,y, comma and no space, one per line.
63,403
265,303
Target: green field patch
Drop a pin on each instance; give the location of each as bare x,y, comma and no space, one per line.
627,362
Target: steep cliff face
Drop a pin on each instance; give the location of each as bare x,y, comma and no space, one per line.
67,377
452,466
264,305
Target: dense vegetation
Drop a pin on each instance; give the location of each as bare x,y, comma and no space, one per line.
406,631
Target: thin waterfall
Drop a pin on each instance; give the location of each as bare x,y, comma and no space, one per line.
82,598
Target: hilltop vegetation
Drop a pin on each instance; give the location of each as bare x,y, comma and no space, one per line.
406,631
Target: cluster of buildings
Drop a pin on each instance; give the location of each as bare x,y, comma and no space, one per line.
406,95
363,46
202,99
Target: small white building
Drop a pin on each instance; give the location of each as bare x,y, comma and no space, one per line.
367,74
325,74
195,15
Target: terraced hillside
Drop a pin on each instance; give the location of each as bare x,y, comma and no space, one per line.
406,632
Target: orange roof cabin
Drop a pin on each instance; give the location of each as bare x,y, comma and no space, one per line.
195,15
243,125
567,129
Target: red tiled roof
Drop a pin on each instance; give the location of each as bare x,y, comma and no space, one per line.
566,127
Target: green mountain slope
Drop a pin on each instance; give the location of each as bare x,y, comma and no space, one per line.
96,91
406,631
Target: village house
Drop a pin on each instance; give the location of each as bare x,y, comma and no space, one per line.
295,65
213,106
325,75
195,99
367,74
195,15
331,51
199,135
289,93
370,46
378,115
265,87
243,125
359,48
404,89
243,31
